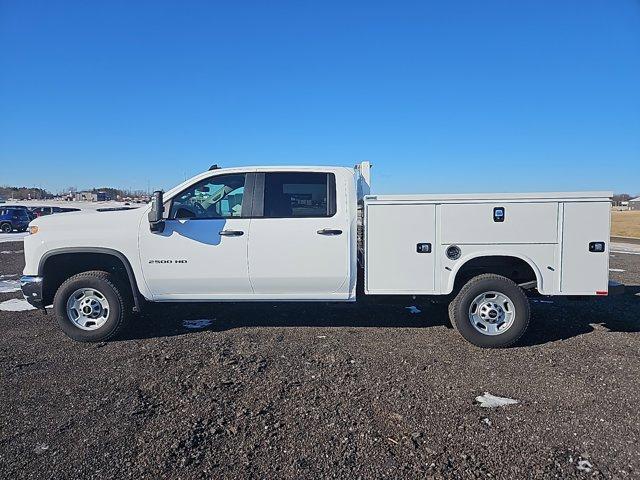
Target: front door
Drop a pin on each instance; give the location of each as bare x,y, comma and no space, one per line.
202,252
299,242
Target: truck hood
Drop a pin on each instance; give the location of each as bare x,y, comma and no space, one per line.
86,219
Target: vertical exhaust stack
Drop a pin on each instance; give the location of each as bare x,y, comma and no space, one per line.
364,178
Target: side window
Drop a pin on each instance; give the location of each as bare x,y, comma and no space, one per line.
216,197
299,194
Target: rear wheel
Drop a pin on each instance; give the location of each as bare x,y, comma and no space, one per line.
490,311
91,307
6,228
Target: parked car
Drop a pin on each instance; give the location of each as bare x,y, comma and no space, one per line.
13,219
315,234
30,214
42,211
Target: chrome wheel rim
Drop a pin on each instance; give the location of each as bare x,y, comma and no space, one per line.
492,313
87,308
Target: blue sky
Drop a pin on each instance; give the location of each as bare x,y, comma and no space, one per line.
441,96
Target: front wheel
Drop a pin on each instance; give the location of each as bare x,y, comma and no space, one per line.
6,228
490,311
90,307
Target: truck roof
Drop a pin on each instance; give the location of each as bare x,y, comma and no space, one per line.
603,196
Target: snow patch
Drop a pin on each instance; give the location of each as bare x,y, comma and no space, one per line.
628,248
413,309
584,466
196,324
491,401
16,305
8,286
12,237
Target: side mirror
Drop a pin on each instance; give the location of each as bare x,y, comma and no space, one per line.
156,222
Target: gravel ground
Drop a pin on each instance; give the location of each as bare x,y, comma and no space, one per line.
318,390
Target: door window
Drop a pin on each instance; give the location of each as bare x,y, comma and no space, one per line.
299,194
215,197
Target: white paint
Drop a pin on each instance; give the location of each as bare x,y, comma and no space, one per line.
196,324
16,305
491,401
8,286
285,258
12,237
392,263
584,272
616,270
413,309
11,251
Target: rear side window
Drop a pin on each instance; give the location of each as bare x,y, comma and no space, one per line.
299,194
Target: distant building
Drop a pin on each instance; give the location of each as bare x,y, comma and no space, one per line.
634,203
92,197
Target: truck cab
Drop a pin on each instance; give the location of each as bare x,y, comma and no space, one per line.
278,233
304,234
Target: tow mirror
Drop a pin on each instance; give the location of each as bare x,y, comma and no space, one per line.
156,222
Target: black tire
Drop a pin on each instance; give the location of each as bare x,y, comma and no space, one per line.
6,228
117,314
460,317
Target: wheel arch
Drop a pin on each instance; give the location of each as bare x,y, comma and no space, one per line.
101,256
493,266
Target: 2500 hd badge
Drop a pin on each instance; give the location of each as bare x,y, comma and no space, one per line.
167,261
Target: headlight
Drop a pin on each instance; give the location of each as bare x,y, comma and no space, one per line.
33,229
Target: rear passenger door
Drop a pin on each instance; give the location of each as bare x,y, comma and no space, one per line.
299,237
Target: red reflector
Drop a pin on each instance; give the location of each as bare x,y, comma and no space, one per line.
602,292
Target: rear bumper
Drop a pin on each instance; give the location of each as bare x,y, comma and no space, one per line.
32,290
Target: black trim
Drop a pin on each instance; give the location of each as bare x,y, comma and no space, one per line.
32,292
108,251
247,196
257,210
331,194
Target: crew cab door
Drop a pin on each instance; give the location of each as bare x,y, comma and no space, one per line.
202,252
299,237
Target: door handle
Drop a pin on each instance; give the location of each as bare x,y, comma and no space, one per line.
232,233
328,231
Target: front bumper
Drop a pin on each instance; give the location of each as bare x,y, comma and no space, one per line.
32,290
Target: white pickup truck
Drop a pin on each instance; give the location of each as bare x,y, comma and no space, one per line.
305,234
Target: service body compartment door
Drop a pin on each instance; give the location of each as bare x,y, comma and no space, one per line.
585,271
476,223
400,240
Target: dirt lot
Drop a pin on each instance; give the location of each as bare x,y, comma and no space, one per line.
625,223
316,390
